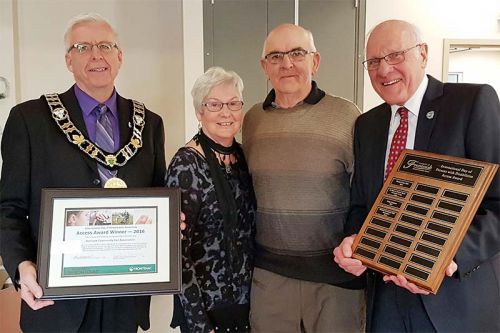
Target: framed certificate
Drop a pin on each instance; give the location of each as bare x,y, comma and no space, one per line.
109,242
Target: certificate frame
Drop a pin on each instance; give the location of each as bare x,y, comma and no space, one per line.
126,243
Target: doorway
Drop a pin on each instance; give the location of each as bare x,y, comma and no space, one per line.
472,61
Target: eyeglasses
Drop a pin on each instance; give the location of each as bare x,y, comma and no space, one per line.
217,106
391,59
83,48
294,55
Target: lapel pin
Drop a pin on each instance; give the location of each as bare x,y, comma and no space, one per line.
129,124
430,115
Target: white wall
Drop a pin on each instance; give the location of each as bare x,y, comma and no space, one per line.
438,19
6,63
477,66
192,11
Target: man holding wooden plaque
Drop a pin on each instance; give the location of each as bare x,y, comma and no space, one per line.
421,113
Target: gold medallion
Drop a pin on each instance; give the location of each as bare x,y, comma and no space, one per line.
115,182
110,160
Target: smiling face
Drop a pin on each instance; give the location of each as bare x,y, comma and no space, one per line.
94,71
223,125
396,84
288,78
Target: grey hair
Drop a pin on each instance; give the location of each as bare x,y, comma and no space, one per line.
85,18
214,76
414,30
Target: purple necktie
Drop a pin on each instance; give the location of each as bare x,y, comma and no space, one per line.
104,139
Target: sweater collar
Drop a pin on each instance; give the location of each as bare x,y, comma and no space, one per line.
314,97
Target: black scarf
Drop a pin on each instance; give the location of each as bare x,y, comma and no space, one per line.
223,190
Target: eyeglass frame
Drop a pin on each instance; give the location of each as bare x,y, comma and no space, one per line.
205,104
287,53
396,54
75,46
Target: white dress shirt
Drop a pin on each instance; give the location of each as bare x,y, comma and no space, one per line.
413,106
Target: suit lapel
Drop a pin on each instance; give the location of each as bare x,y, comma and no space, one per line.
124,119
428,113
380,134
125,122
75,113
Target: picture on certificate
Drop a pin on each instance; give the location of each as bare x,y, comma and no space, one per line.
109,242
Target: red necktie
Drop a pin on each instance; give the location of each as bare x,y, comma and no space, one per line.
398,141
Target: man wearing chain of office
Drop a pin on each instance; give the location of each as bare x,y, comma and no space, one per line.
86,137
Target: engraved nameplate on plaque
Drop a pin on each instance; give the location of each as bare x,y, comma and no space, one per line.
421,216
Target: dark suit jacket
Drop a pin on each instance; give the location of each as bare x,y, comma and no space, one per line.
466,123
37,155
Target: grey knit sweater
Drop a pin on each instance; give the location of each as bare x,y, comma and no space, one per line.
301,160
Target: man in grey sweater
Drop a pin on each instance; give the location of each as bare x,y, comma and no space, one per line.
298,145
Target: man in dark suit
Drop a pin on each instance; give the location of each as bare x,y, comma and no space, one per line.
454,119
37,153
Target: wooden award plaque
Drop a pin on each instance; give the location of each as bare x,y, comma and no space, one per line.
421,216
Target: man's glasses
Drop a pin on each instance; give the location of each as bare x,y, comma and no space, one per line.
391,59
103,47
215,106
294,55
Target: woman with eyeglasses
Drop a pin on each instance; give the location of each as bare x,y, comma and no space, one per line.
218,200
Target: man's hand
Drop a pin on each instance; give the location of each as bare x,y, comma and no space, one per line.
30,290
451,269
401,281
343,254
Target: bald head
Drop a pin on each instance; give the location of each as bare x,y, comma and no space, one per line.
403,27
289,32
291,77
396,78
